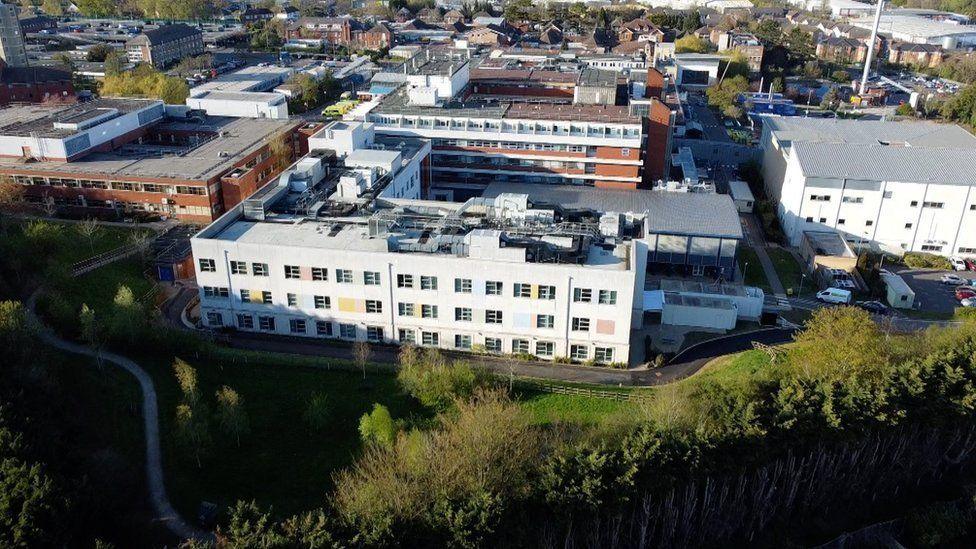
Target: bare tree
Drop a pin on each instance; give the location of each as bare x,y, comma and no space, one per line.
89,229
48,204
361,352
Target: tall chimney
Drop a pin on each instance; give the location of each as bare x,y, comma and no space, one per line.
870,56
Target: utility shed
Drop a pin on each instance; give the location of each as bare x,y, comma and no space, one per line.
700,311
742,196
899,294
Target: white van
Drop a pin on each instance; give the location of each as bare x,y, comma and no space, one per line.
834,295
957,263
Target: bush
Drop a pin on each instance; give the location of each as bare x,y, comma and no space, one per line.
922,260
434,381
965,313
937,525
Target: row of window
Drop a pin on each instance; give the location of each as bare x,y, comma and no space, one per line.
511,145
111,185
300,326
373,278
581,129
887,194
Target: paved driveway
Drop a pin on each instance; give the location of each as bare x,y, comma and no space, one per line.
930,294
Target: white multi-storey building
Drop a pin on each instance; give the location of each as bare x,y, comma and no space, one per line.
896,186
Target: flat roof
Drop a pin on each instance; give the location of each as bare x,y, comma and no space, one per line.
914,24
693,214
234,138
869,132
244,80
270,98
887,163
829,243
740,190
39,120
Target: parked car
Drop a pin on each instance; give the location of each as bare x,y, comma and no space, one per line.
968,302
873,307
957,263
965,292
971,265
834,295
952,279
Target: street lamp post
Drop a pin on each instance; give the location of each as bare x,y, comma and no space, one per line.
800,291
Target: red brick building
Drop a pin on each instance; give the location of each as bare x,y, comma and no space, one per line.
129,156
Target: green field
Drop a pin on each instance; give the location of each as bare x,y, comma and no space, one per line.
754,274
789,271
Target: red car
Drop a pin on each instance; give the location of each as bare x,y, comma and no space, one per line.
965,293
971,265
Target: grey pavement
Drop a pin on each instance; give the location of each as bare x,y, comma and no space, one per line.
162,508
755,239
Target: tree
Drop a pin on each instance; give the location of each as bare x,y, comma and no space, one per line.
811,69
435,382
841,76
97,8
905,109
29,500
90,328
361,353
777,85
11,197
192,431
280,151
318,411
64,61
173,91
726,93
961,107
517,11
377,427
114,63
830,99
690,44
52,7
186,377
99,52
89,229
233,418
769,32
692,21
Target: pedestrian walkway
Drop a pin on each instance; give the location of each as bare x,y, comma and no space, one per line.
755,239
163,510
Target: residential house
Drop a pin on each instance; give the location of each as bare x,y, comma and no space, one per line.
164,45
256,15
918,55
841,50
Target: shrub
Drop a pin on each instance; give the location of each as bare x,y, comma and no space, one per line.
377,427
936,525
923,260
562,360
965,313
434,381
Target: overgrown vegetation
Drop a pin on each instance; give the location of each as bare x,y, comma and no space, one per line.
485,472
923,260
146,81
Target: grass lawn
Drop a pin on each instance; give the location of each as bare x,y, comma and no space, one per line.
754,274
549,408
789,271
72,246
282,461
730,368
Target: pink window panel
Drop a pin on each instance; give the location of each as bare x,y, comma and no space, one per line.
306,273
604,326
